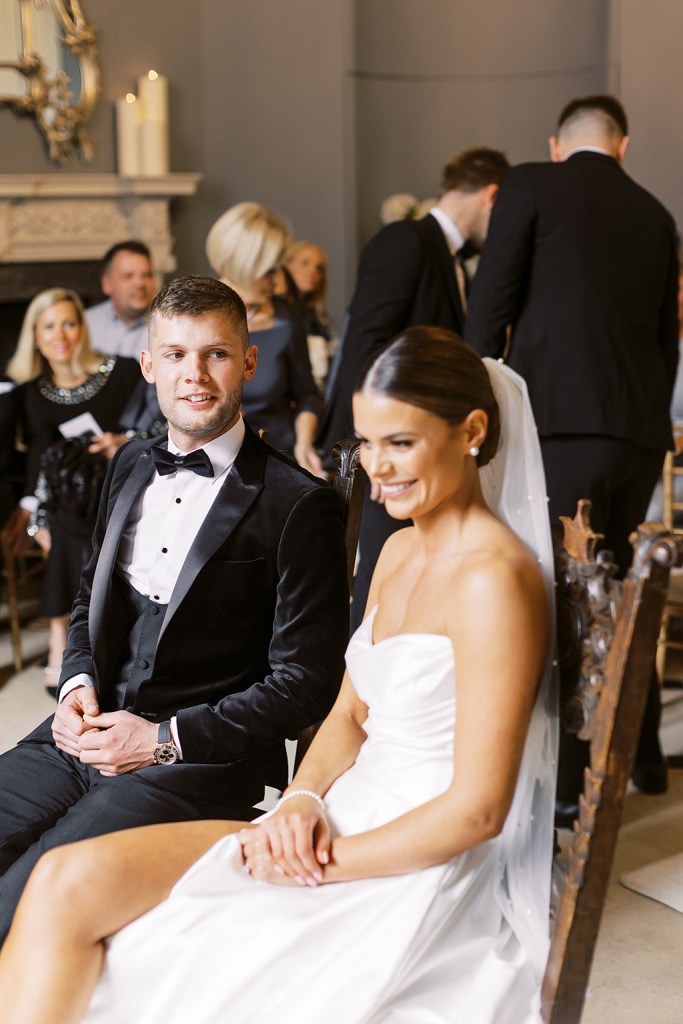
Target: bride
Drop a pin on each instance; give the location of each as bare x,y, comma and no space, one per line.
408,864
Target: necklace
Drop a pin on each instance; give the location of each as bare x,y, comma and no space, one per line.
82,392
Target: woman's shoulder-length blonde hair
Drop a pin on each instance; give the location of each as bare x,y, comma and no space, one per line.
246,242
318,298
27,363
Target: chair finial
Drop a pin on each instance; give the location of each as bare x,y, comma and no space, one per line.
579,538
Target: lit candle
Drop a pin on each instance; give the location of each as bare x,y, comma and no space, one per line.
127,141
153,92
153,148
154,145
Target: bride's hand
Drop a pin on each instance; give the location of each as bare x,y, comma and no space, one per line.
258,861
293,845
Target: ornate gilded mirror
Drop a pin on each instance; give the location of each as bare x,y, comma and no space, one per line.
48,69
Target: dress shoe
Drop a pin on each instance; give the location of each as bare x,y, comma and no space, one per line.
651,778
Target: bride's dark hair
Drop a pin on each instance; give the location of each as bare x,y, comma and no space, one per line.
436,370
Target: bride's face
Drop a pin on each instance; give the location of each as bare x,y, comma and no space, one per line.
418,461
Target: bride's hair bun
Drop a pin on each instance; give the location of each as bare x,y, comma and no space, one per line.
436,370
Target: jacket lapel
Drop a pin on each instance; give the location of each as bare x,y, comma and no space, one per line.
447,267
106,563
239,491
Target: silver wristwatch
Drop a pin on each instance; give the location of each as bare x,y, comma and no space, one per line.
165,751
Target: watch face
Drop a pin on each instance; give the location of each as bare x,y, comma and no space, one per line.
166,753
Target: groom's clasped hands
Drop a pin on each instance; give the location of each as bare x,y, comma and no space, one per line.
113,743
292,846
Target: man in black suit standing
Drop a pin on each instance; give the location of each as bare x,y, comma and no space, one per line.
411,272
580,265
212,617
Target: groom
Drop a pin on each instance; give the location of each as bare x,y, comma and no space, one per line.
211,620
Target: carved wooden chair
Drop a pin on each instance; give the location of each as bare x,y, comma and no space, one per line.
607,634
349,482
17,571
672,508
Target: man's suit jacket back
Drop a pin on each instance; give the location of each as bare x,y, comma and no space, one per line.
405,277
582,262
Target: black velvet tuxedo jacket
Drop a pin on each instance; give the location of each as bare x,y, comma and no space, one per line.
582,263
252,644
405,277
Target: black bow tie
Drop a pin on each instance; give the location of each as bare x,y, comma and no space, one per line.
165,462
467,251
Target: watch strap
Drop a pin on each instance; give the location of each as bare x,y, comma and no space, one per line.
164,734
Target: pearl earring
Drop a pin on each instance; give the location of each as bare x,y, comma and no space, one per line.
474,451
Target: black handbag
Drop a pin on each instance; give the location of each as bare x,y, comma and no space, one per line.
74,478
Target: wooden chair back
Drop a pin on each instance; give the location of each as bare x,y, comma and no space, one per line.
349,482
607,634
672,507
17,571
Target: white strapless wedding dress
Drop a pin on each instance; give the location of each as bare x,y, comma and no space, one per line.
432,947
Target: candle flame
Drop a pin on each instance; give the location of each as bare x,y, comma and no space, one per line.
152,75
130,97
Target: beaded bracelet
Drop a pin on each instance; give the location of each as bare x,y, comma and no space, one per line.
303,792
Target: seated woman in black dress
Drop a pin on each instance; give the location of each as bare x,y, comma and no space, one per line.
61,378
244,247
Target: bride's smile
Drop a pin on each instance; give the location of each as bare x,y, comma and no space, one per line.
417,460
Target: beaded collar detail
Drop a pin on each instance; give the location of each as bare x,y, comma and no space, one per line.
83,392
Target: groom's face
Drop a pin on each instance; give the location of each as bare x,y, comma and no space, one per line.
199,365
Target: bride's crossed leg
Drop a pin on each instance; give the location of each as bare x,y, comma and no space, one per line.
103,884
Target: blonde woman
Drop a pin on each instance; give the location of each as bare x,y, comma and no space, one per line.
60,377
307,266
244,247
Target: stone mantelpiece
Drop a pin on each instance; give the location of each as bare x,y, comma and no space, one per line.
53,218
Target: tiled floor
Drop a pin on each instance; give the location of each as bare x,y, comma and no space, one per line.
637,976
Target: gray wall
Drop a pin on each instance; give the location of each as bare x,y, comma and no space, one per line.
321,108
651,87
433,78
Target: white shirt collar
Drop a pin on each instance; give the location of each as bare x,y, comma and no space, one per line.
454,238
587,149
222,451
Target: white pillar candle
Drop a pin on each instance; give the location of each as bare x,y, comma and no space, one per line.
127,141
154,148
154,144
153,92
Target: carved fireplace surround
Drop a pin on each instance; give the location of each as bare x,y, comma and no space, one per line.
58,217
55,228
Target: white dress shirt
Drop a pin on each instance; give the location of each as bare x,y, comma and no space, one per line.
587,149
455,242
167,516
163,525
453,235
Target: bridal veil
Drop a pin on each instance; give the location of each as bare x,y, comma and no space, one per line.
513,483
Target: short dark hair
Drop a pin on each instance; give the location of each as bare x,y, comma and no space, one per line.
474,169
131,245
608,108
195,295
435,370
